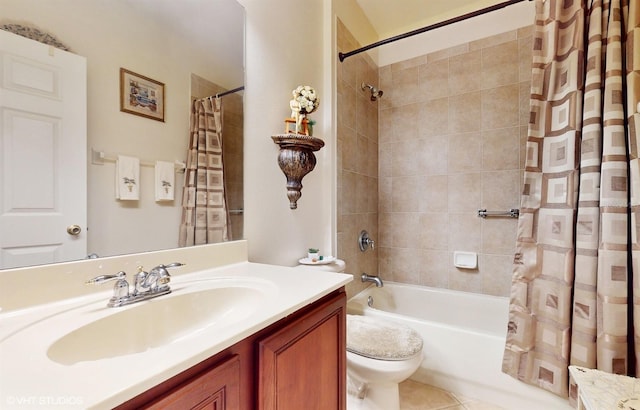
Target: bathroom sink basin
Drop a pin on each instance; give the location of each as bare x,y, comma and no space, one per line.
157,322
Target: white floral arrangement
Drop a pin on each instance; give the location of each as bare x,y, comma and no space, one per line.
306,98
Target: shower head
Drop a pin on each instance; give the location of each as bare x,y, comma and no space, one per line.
375,92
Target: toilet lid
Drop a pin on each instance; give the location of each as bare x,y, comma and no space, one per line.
380,339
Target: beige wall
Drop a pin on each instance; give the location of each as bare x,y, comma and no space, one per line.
357,154
278,59
452,130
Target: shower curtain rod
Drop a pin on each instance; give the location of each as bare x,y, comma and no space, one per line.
235,90
476,13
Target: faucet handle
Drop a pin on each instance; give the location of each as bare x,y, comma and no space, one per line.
365,242
105,278
120,289
164,277
171,265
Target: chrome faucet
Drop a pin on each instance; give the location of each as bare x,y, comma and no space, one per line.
372,278
146,285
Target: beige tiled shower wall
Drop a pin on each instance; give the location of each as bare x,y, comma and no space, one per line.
357,150
452,130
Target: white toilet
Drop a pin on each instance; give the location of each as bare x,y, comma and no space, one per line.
380,355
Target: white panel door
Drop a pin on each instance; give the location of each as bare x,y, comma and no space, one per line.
43,95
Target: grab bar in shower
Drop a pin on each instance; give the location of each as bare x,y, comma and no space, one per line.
513,213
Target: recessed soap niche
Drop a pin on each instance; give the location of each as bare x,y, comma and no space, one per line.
465,260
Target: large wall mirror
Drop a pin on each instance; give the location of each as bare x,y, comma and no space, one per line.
196,49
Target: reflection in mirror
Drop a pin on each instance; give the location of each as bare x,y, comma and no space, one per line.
195,48
232,147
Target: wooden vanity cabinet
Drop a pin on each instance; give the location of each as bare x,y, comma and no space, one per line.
297,363
214,389
301,366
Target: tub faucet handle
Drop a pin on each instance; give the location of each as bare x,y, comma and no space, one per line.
364,241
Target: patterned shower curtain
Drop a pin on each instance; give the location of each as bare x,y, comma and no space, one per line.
576,262
204,207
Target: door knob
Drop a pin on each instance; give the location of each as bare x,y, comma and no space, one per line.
74,230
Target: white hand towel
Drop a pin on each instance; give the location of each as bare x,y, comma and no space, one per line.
127,178
165,181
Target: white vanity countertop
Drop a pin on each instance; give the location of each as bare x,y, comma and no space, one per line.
29,378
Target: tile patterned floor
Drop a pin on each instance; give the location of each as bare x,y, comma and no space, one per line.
417,396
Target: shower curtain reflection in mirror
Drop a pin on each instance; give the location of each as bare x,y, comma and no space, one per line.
205,217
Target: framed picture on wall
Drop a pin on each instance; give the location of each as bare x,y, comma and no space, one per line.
141,95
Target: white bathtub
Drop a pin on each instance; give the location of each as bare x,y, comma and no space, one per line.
464,336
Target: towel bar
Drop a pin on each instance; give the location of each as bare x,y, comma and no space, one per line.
513,213
100,157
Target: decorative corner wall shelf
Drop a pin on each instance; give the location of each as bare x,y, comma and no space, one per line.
296,159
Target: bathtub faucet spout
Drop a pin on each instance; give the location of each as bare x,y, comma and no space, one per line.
372,278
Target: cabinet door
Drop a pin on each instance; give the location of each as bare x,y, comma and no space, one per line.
214,389
302,366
